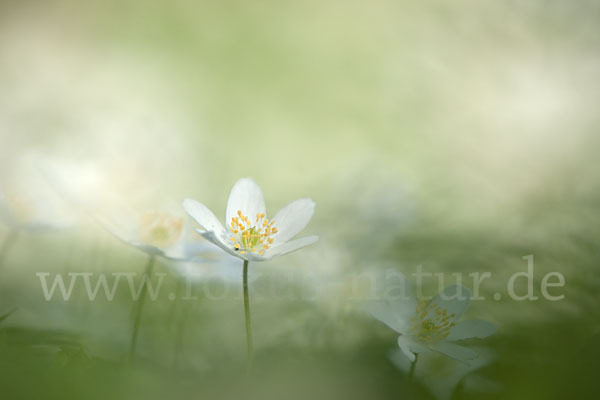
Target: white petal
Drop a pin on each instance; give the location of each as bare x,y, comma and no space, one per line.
227,247
202,215
455,299
126,230
291,219
289,247
400,360
455,351
391,300
246,197
391,289
409,346
406,351
383,312
216,239
191,248
121,225
255,257
473,328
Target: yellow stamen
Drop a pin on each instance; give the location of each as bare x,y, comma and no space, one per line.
160,230
430,322
251,237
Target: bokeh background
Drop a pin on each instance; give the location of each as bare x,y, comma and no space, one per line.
460,136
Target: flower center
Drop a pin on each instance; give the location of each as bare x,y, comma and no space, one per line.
160,230
251,237
431,322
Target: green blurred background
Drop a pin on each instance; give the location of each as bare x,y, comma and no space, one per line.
460,136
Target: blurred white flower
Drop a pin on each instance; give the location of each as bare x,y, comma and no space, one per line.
442,375
433,326
33,207
112,196
249,234
157,233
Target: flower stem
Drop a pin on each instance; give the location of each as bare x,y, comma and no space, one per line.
10,239
187,308
413,366
139,308
175,305
248,317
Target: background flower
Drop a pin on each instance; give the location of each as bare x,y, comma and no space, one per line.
432,326
442,376
158,233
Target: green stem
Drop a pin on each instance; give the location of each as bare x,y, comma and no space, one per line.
187,308
9,241
248,317
140,307
175,305
413,366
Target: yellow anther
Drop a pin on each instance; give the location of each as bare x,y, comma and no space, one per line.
251,237
160,230
430,322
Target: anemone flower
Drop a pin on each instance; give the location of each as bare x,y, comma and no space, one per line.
30,209
96,192
158,234
441,375
248,233
433,326
163,234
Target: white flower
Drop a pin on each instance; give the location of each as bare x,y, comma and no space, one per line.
155,233
441,375
249,234
33,209
433,326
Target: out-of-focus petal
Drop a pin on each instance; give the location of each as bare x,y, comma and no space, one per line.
455,351
455,299
472,328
